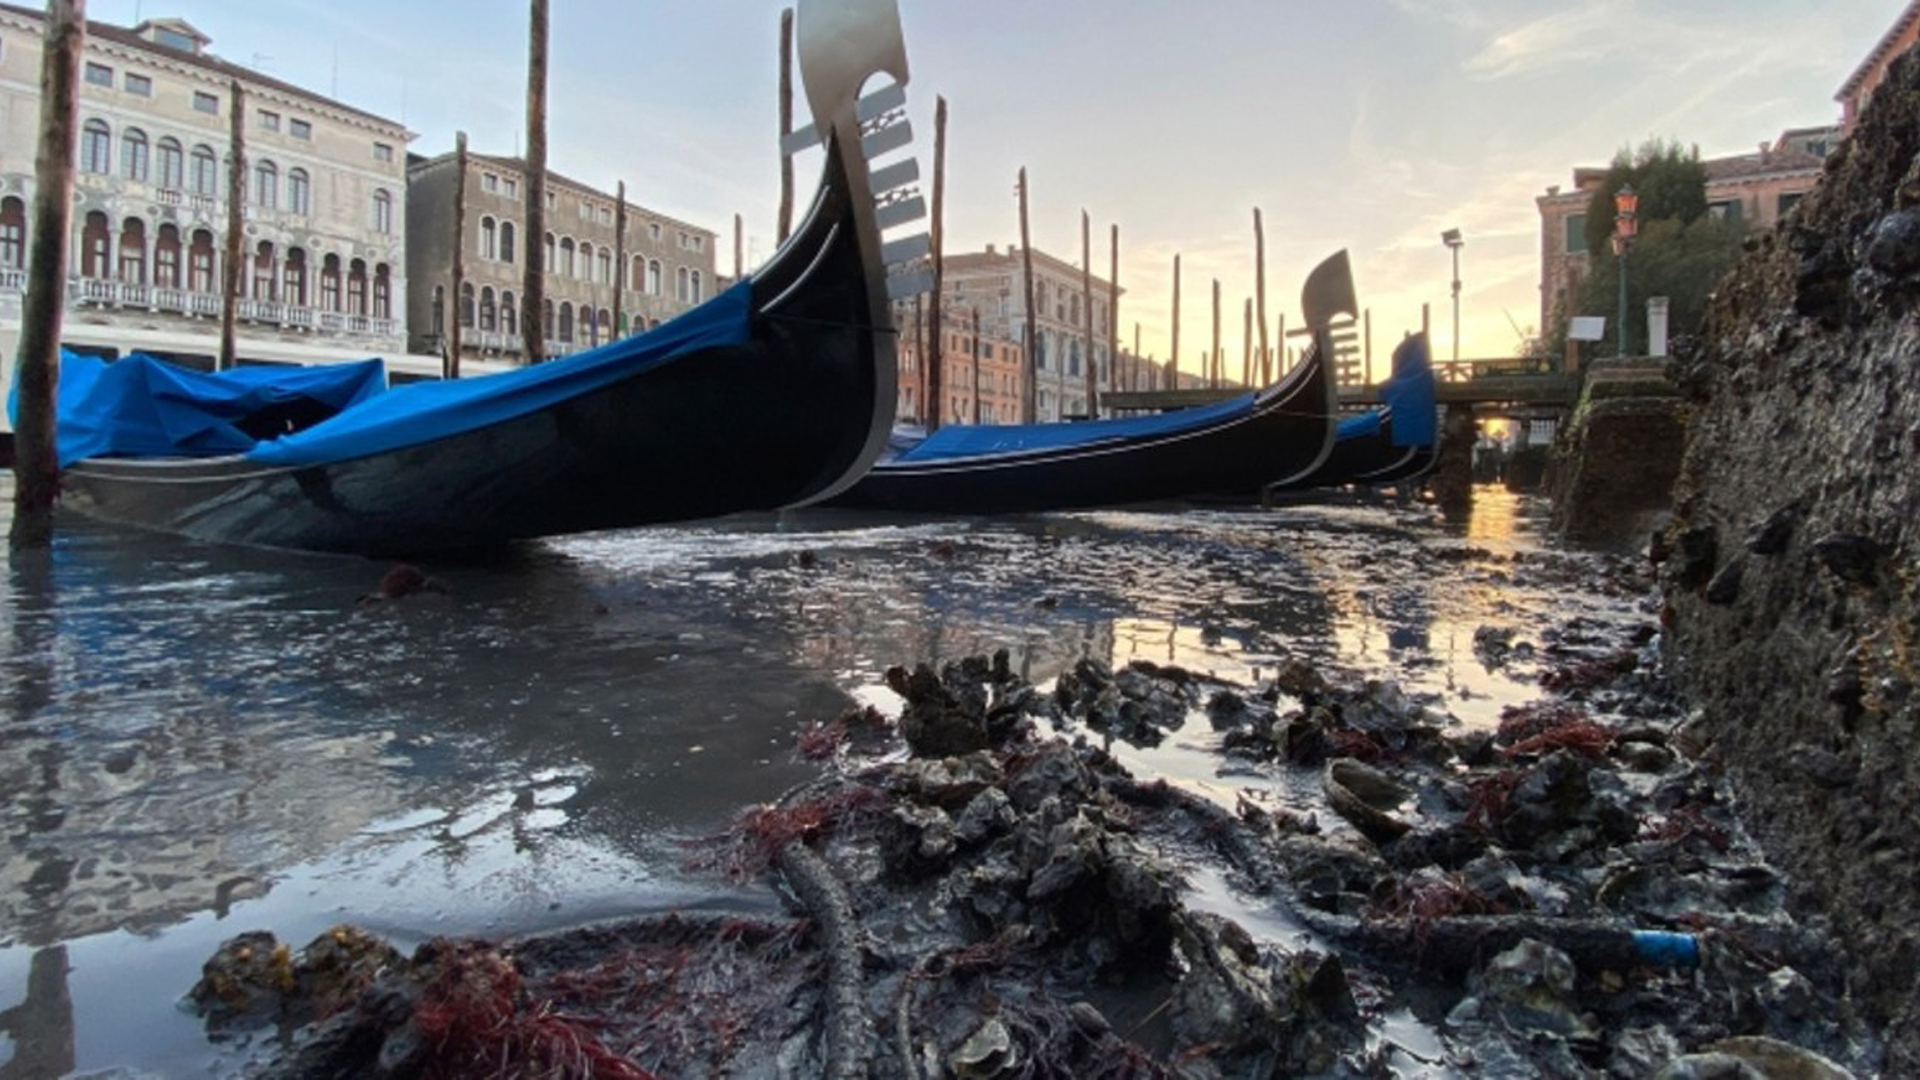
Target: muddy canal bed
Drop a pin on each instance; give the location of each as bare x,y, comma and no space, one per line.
1137,868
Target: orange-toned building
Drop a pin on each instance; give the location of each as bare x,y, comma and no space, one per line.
1866,78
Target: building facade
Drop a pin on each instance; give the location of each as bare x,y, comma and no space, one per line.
993,354
1859,87
660,266
995,283
324,247
1757,188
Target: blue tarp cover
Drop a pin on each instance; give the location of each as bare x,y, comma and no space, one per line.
145,407
142,407
972,441
424,411
1409,394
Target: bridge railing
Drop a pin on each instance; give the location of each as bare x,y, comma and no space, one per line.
1468,370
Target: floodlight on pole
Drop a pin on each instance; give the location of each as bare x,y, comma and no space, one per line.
1454,243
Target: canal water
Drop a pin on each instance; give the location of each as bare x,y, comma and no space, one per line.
199,740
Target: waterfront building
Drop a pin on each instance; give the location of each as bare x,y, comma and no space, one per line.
662,266
995,282
995,353
1758,188
1859,87
325,253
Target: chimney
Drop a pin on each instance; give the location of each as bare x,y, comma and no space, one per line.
989,249
1766,153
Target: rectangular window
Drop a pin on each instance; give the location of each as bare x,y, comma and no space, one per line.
269,120
382,152
553,201
139,85
510,188
1788,200
606,215
173,39
653,231
489,182
205,102
99,74
300,129
1576,233
1724,211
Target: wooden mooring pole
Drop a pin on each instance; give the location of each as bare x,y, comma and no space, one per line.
786,123
457,279
1260,295
36,460
976,365
533,286
1173,363
1246,359
936,329
1217,372
620,260
1113,311
230,279
1029,405
1086,302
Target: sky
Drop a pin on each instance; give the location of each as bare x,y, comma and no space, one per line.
1371,125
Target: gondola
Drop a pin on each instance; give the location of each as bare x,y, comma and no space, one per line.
1391,443
1279,434
778,391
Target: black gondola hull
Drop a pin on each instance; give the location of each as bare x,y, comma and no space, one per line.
1288,432
787,417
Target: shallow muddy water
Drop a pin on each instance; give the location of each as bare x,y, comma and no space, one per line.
200,740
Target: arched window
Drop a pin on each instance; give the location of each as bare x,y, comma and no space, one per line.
487,321
382,292
565,269
13,233
93,246
606,325
489,238
330,283
546,320
357,288
637,276
96,147
266,185
166,257
299,191
200,262
172,163
566,322
382,212
133,251
604,265
133,154
293,277
466,304
682,283
506,241
263,271
438,317
509,315
203,177
693,297
586,262
654,284
589,326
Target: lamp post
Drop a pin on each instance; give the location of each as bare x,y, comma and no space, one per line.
1626,223
1453,240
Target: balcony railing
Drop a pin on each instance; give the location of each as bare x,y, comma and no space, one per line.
106,292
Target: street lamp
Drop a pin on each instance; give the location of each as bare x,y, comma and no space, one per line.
1452,239
1626,223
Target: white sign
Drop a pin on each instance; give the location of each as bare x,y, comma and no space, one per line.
1587,328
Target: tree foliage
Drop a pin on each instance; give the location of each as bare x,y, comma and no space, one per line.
1681,261
1680,253
1671,183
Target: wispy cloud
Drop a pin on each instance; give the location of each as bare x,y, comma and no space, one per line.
1581,35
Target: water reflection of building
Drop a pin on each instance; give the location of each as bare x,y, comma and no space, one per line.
325,251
